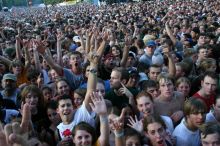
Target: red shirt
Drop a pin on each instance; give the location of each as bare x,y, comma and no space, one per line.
208,101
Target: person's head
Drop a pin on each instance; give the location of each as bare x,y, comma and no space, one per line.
194,110
75,59
62,87
207,64
210,134
47,93
202,52
183,85
16,67
83,134
52,113
109,61
65,108
132,137
166,85
202,38
150,47
100,87
154,128
133,78
180,69
65,60
119,75
216,107
33,75
9,83
154,71
151,87
145,104
32,95
116,51
131,59
53,75
209,83
79,95
195,32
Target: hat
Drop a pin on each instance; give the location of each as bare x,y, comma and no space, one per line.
10,76
109,55
157,59
143,77
77,39
150,43
132,54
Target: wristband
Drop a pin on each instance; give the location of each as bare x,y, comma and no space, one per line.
103,119
119,134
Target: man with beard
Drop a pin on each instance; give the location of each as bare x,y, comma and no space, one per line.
120,95
9,92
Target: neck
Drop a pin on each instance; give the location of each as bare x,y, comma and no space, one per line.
76,70
166,99
190,126
202,93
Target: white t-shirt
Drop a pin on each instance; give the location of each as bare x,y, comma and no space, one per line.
186,137
80,115
169,123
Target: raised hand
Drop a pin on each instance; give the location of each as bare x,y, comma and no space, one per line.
124,90
41,46
98,104
15,134
136,124
118,122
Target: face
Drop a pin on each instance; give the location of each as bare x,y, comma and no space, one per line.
63,88
156,134
153,91
32,99
110,63
133,80
211,140
154,72
166,87
216,108
75,60
111,126
16,69
82,138
203,53
115,51
47,95
150,50
195,120
53,75
179,71
100,89
53,116
209,85
212,67
132,141
78,100
65,60
65,110
130,61
145,106
115,80
8,85
201,40
184,88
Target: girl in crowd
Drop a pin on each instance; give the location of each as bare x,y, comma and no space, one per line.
183,85
79,95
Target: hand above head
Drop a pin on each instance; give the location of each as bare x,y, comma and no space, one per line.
98,104
15,134
136,124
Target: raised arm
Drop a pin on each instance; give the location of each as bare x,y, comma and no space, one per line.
94,57
98,105
18,47
171,64
26,46
170,33
125,51
41,48
59,49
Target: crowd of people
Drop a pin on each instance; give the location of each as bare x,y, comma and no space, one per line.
125,74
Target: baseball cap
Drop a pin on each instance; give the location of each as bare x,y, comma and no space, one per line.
9,76
150,43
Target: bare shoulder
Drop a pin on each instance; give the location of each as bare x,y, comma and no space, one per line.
179,95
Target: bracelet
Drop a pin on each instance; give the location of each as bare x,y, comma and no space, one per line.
103,119
94,71
119,134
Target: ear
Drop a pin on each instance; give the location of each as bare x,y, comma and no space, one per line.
57,110
202,82
124,81
146,134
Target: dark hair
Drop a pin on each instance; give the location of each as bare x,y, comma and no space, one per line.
129,132
64,97
52,105
210,128
88,128
81,92
194,105
210,74
149,84
155,118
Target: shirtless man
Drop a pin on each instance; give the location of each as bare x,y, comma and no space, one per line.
169,102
